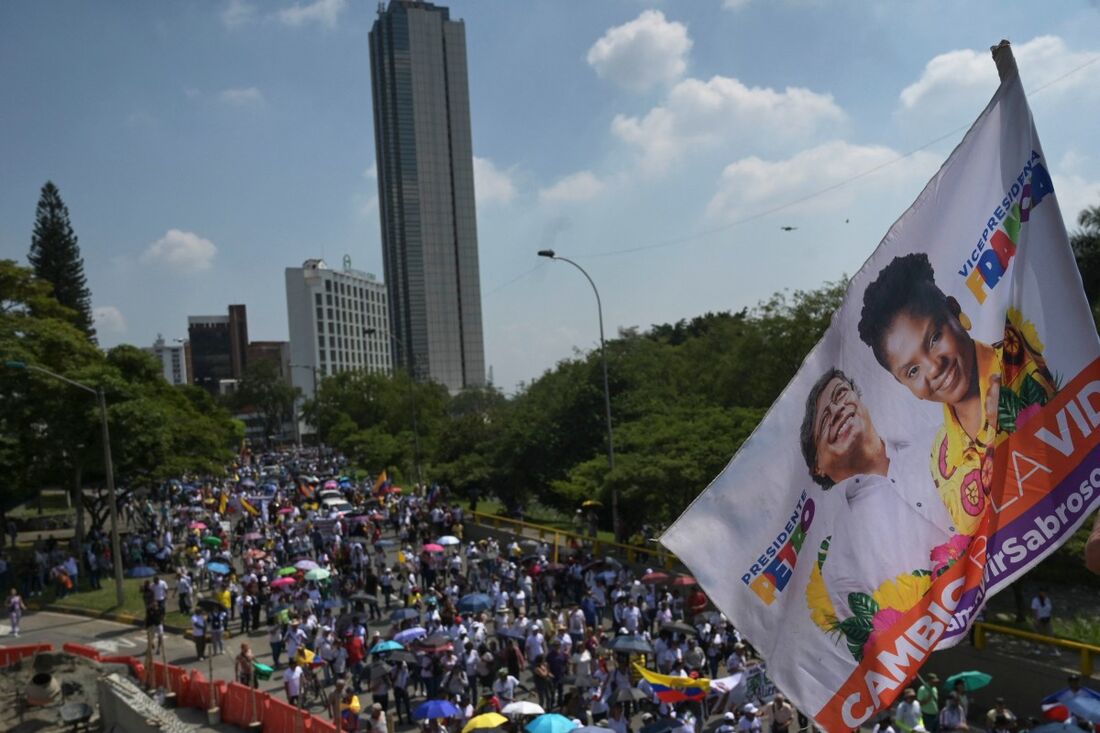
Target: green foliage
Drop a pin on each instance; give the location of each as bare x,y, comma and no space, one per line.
266,391
56,259
1086,249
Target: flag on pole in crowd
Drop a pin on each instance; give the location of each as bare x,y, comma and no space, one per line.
249,507
306,490
381,481
223,502
673,689
939,441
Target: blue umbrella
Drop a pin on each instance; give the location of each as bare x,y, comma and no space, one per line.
475,603
219,568
550,723
386,646
433,709
403,614
1084,707
408,635
141,571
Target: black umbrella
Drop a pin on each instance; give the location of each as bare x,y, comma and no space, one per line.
362,597
209,604
630,644
403,614
679,627
628,694
379,669
401,655
662,725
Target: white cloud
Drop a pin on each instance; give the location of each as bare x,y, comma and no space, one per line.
638,55
181,251
966,73
242,97
322,12
752,185
574,188
108,320
371,173
700,113
492,185
237,13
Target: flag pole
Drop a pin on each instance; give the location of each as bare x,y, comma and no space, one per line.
1003,58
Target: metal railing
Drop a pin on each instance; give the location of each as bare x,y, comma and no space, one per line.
558,538
1086,651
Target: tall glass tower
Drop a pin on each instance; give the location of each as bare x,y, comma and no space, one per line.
426,192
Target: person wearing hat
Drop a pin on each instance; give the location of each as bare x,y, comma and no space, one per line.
996,713
376,721
908,715
779,713
928,695
728,724
749,722
504,687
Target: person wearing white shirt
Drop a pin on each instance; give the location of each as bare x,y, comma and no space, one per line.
292,682
908,714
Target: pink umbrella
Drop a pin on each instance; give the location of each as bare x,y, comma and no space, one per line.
197,525
432,547
330,484
253,536
286,510
283,582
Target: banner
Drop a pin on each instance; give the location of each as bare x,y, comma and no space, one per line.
940,440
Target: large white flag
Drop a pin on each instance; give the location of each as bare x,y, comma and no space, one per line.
941,439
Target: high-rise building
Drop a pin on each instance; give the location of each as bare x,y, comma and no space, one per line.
277,352
219,348
172,358
424,158
338,322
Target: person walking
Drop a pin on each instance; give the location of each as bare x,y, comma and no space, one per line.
928,695
292,681
246,673
1042,615
16,607
198,633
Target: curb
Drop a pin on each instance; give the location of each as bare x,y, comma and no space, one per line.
122,618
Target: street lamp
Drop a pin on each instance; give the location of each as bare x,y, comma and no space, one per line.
550,254
412,399
116,551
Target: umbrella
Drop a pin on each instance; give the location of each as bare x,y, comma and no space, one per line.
655,578
484,721
474,603
209,604
283,582
403,614
362,596
331,484
1084,707
679,627
590,504
141,571
432,547
253,536
628,694
630,644
550,723
401,655
218,568
973,679
522,707
212,541
435,643
385,646
379,669
284,572
684,580
607,562
662,725
448,540
248,483
433,709
286,510
582,680
318,574
197,525
255,554
306,565
409,635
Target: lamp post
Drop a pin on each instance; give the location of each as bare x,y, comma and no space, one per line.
412,400
550,254
116,551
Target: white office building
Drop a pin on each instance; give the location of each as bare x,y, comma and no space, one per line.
172,358
338,322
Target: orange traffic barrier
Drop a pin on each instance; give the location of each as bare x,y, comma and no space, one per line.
322,725
137,669
179,682
285,718
12,654
80,649
242,704
198,691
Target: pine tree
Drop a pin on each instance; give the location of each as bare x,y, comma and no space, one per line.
56,258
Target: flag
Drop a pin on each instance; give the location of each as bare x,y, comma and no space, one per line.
938,442
223,503
382,480
249,507
306,490
672,689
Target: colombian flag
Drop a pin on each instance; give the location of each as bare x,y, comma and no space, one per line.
223,503
249,507
306,490
381,481
675,689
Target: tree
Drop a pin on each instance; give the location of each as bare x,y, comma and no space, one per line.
264,390
1085,243
56,259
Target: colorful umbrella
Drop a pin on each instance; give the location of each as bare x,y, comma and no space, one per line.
306,565
253,536
211,541
286,510
318,574
141,571
218,568
197,525
448,540
433,709
484,721
432,547
973,679
550,723
283,582
386,646
655,578
475,603
284,572
409,635
522,707
684,580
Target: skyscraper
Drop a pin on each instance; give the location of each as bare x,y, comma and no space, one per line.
219,348
424,159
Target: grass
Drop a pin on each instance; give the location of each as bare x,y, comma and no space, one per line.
102,601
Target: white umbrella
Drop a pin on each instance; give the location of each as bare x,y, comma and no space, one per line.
447,540
522,707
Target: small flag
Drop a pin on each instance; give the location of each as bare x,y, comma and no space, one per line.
380,481
223,503
306,491
249,507
675,689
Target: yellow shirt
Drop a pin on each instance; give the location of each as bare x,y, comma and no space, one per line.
224,598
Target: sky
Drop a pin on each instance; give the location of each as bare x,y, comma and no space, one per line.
665,146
